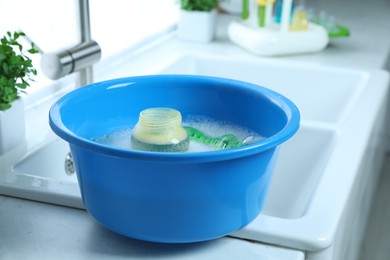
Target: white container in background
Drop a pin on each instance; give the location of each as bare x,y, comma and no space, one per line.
197,26
12,127
273,42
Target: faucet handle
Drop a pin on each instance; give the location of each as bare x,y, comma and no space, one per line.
59,64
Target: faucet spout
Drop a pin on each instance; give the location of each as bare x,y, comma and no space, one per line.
79,58
85,76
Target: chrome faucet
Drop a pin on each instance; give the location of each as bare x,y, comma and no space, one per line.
79,58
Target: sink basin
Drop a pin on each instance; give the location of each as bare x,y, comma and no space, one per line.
53,168
296,175
317,171
313,89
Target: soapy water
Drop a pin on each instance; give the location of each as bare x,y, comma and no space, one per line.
121,138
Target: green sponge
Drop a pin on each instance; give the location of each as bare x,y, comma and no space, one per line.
219,143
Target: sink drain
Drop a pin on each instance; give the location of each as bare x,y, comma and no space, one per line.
69,165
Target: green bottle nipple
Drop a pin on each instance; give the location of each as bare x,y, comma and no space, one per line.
219,143
160,130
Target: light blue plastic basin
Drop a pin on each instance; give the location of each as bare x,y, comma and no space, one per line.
173,197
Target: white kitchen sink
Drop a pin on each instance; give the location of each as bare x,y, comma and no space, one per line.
316,170
315,90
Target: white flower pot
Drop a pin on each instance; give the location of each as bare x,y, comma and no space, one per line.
12,127
197,26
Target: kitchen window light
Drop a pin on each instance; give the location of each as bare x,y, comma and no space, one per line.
117,25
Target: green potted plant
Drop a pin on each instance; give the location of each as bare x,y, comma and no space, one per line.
197,20
16,71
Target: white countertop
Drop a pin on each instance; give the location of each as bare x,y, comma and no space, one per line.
32,230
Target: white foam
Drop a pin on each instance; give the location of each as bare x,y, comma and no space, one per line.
121,138
215,128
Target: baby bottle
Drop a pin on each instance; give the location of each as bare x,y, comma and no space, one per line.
159,130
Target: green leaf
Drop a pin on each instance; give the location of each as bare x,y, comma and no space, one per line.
33,51
22,85
4,106
5,68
